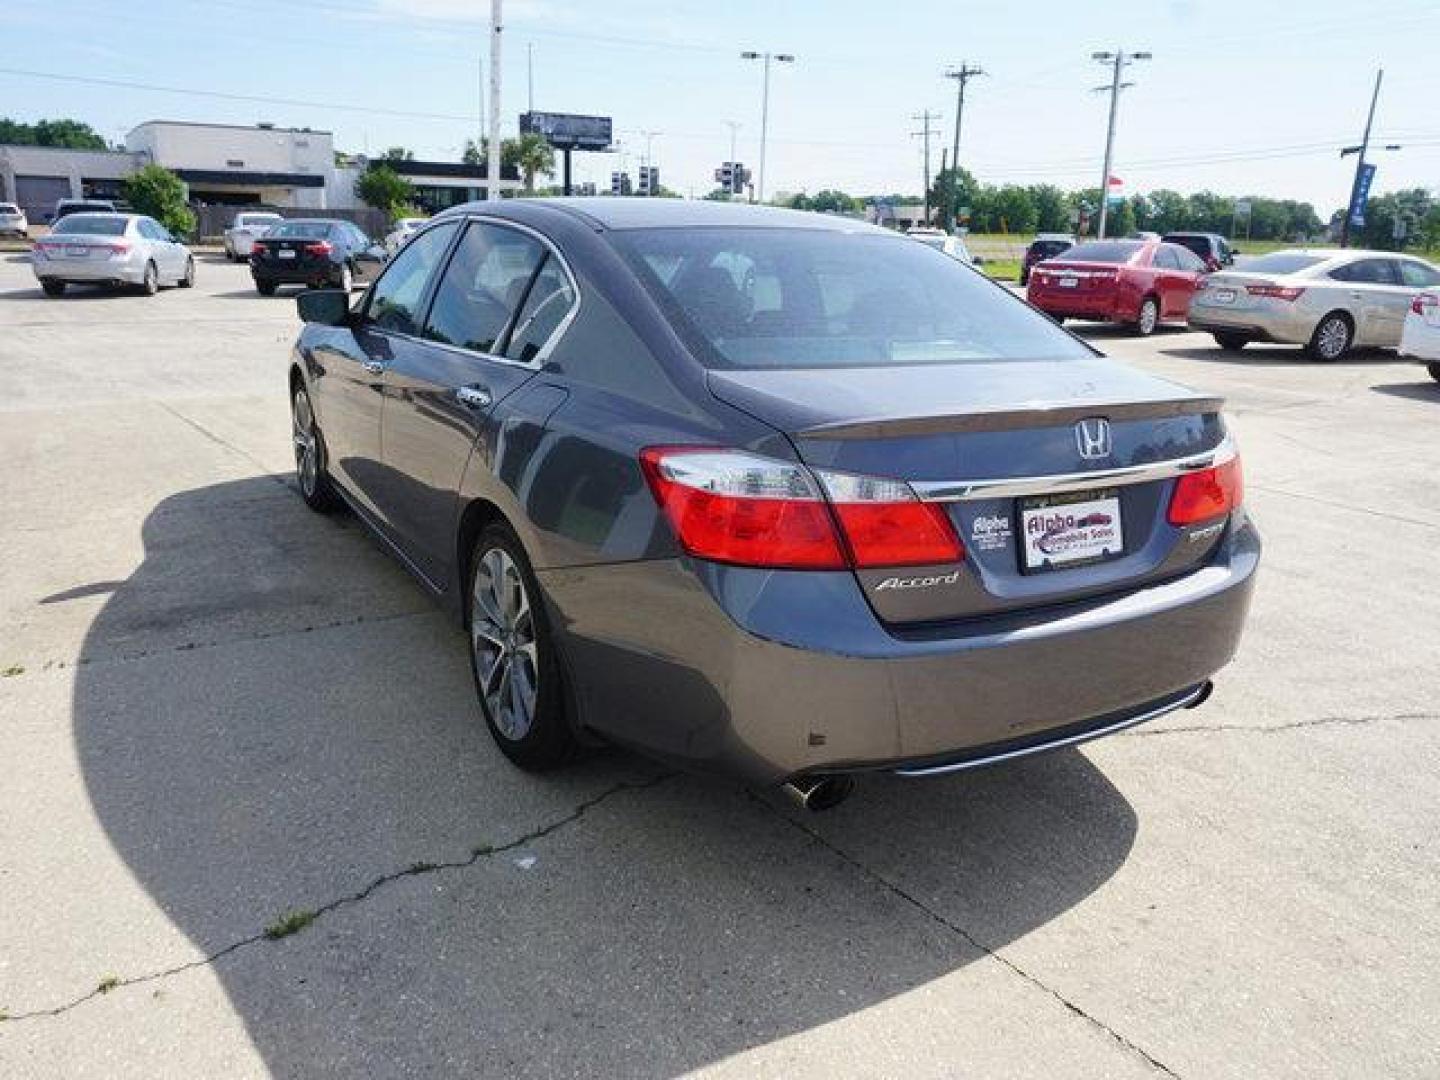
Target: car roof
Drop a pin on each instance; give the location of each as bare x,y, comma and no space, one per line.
111,214
635,212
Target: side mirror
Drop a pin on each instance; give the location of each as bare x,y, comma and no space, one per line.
326,307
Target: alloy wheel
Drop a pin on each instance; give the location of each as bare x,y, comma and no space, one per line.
502,633
1333,338
307,448
1149,317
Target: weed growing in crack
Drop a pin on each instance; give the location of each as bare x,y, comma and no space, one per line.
11,671
108,983
481,851
292,922
421,867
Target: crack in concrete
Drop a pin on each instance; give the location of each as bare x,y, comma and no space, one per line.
282,479
243,639
964,935
415,869
1274,729
1353,508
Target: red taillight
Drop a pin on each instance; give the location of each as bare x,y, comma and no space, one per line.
1423,301
257,249
1207,494
1276,292
735,507
318,247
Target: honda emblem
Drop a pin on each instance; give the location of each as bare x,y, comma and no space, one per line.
1092,438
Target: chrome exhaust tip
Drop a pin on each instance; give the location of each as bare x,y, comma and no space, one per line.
1206,689
816,793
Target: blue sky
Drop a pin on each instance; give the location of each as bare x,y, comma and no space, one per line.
1239,98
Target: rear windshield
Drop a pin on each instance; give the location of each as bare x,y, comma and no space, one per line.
90,225
799,298
1046,248
256,219
8,208
1198,244
300,230
1281,263
1105,251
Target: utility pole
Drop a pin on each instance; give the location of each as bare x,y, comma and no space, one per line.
530,76
492,162
925,134
782,58
1361,150
1117,61
734,126
962,75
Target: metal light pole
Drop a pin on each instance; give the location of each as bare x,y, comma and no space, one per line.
734,126
962,75
1118,59
1361,150
783,58
492,163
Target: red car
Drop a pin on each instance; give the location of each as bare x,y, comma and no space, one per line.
1139,282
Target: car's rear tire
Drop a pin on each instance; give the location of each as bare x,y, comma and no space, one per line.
53,288
1024,278
1434,370
512,655
310,475
1231,342
188,281
265,288
151,284
1148,318
1332,338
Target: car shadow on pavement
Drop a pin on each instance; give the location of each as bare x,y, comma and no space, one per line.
1422,389
1276,356
271,717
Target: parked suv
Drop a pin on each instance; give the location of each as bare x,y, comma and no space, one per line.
13,221
1213,249
65,207
1044,246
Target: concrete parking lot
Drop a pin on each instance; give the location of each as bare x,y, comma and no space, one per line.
218,709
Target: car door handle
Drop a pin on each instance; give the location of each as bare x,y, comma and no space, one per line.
374,367
474,397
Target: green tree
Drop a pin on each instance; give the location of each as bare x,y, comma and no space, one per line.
718,195
158,192
952,191
65,134
1052,211
382,187
531,154
835,202
1015,210
474,153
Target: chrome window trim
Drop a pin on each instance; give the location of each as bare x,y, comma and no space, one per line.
1058,483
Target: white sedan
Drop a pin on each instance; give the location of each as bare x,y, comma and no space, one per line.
404,229
248,226
1421,337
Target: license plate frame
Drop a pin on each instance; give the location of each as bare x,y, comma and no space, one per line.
76,251
286,253
1223,296
1076,540
1069,282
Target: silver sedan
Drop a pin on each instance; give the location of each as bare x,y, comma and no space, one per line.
111,249
1327,301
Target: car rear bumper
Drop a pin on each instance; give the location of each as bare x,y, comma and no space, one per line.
129,271
1286,328
1108,308
770,675
300,274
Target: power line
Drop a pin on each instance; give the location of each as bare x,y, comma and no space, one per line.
926,116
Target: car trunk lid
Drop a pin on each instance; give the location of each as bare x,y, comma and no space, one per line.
1015,452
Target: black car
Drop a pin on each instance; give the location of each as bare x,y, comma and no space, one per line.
315,252
1044,246
1213,248
770,492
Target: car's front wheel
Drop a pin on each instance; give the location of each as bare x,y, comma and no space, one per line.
517,674
1332,337
310,474
151,283
188,281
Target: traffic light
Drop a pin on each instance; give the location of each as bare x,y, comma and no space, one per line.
615,183
643,186
739,177
725,177
651,175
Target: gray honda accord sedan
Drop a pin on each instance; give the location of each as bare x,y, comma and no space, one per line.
770,492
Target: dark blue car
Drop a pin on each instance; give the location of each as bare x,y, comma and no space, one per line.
762,491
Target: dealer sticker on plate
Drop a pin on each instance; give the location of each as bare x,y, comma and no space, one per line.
1059,531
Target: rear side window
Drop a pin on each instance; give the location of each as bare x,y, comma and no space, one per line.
1165,258
1367,272
546,305
1418,275
1188,260
484,285
1198,244
394,302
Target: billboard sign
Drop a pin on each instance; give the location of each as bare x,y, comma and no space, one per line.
567,131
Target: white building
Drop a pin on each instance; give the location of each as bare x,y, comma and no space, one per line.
239,166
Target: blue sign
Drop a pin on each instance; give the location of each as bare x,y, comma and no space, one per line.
1361,195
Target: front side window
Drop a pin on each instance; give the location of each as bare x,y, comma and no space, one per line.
483,287
787,298
394,302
